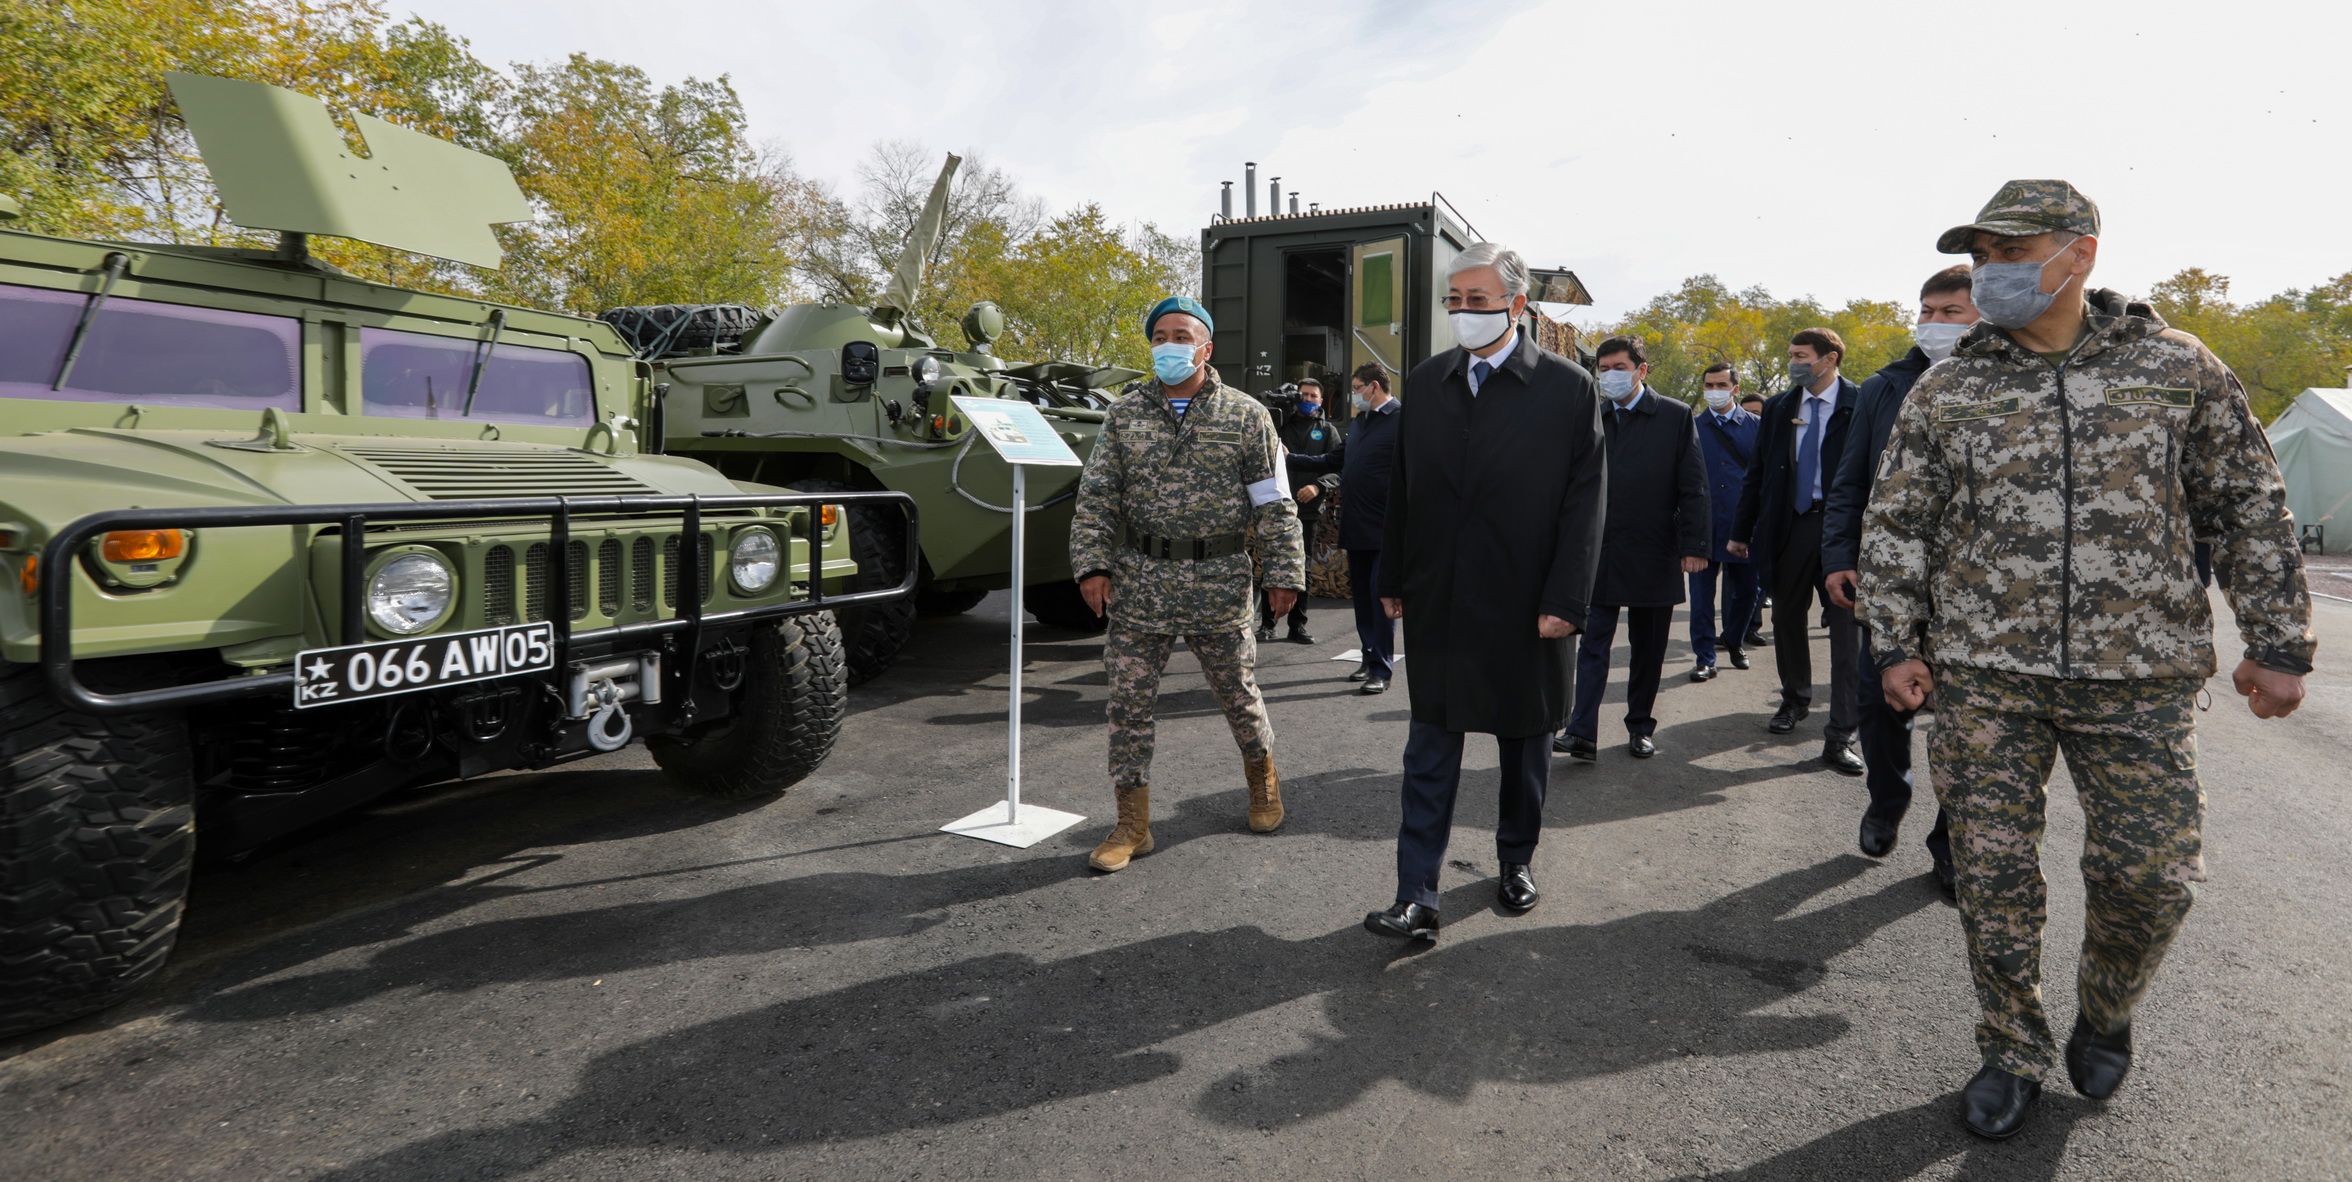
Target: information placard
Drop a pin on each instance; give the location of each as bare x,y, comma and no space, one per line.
1017,431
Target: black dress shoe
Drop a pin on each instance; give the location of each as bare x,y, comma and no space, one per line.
1703,673
1580,748
1517,892
2097,1062
1786,718
1994,1104
1266,634
1947,880
1298,635
1376,685
1755,639
1878,835
1642,747
1362,672
1403,921
1841,757
1739,657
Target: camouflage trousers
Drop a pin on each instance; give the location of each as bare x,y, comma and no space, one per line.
2131,748
1134,660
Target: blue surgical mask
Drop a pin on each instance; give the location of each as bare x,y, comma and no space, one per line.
2010,294
1173,364
1310,409
1801,372
1617,385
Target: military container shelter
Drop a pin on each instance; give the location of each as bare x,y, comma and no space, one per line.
1317,294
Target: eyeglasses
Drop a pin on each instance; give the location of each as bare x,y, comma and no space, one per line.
1477,303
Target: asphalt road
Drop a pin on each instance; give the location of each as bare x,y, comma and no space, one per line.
580,974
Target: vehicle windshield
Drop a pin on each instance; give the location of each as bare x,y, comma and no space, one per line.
147,352
413,375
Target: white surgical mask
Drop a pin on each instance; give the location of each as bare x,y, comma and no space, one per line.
1617,385
1717,400
1477,330
1936,340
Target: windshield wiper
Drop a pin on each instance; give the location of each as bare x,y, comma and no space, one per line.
482,359
115,267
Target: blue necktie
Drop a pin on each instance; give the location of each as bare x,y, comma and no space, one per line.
1480,371
1809,456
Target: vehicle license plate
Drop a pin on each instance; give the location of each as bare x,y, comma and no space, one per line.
328,676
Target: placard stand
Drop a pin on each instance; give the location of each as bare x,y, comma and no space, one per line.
1022,440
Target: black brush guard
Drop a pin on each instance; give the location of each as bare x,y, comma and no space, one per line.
59,564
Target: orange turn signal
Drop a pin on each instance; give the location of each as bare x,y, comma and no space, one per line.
142,545
30,580
828,514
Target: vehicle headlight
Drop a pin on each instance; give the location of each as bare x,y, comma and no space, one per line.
753,560
926,371
411,593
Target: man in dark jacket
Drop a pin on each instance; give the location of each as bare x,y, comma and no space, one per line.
1364,459
1727,441
1494,526
1779,527
1656,533
1945,312
1305,434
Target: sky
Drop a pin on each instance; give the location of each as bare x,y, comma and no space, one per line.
1814,149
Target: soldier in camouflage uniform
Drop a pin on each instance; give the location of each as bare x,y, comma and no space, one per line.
1185,489
2029,541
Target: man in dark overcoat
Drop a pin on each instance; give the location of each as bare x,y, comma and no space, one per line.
1658,531
1494,526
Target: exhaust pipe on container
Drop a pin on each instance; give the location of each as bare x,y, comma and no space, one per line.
1225,201
1249,188
1274,197
1294,201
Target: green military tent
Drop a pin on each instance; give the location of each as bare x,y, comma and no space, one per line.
2313,440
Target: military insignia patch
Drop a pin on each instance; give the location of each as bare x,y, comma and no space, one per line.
1992,409
2172,396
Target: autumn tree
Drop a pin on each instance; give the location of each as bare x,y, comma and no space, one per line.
1704,321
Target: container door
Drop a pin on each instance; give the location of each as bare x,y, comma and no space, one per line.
1376,316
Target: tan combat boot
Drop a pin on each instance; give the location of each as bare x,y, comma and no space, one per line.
1265,789
1131,837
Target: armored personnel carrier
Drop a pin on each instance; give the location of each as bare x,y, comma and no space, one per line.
275,541
840,397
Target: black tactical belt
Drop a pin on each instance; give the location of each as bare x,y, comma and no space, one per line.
1189,549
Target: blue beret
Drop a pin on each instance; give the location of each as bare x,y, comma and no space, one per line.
1181,303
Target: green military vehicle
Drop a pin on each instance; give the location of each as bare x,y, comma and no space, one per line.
833,396
275,541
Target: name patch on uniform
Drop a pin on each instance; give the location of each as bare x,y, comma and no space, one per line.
1993,409
2172,396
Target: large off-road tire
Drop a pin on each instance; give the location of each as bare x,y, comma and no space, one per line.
97,835
875,632
947,603
1059,605
787,715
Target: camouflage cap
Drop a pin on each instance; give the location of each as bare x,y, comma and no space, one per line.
2023,208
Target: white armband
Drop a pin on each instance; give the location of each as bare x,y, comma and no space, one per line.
1265,492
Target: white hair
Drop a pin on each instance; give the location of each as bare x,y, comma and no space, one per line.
1505,261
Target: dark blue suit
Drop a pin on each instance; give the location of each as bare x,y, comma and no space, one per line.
1781,524
1885,734
1728,445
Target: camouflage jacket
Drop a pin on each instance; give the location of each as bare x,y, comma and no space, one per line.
1214,470
2041,519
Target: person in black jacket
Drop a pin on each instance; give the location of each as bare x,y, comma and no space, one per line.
1779,528
1364,458
1657,531
1494,526
1306,434
1945,312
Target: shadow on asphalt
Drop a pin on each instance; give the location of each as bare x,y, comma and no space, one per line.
1906,1142
997,1034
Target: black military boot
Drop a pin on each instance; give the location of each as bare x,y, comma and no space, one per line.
2097,1062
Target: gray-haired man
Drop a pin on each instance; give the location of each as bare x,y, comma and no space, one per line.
1494,526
